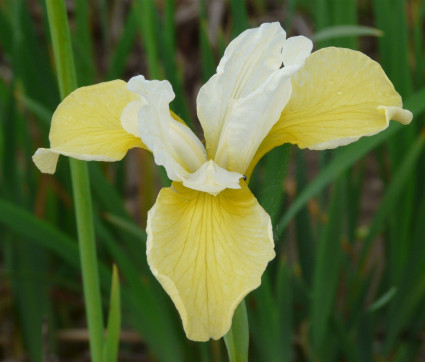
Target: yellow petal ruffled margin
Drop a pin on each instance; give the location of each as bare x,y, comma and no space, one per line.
87,126
208,252
338,96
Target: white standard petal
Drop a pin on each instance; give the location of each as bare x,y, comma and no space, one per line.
295,50
247,62
251,120
173,144
129,116
213,179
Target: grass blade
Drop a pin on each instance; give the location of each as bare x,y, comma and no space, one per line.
124,46
114,321
389,203
13,217
145,10
240,17
383,300
207,55
326,271
305,240
345,31
127,226
145,302
83,48
272,191
237,339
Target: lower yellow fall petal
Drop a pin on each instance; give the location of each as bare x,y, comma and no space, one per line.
87,126
208,252
338,96
46,160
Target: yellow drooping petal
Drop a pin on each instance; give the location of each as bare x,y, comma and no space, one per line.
338,96
208,252
87,126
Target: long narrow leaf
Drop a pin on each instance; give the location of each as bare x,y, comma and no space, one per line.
114,320
326,271
343,31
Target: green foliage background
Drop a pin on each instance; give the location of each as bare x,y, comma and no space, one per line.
348,283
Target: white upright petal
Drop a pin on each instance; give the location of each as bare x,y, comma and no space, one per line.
213,179
247,62
251,120
173,144
188,149
129,117
295,50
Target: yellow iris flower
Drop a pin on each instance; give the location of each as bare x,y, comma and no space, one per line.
209,240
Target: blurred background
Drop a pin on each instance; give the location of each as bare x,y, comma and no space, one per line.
348,282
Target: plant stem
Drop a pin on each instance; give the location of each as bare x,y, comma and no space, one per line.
237,339
67,80
88,258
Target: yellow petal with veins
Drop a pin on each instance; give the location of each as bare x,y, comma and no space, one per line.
87,126
208,252
338,96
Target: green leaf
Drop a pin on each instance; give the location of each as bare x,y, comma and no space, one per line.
146,302
14,217
408,302
111,344
145,10
272,191
6,34
270,320
61,41
237,339
345,14
344,31
284,301
127,226
389,202
124,46
82,44
384,300
27,275
306,240
207,55
326,271
172,72
111,202
146,309
240,17
38,109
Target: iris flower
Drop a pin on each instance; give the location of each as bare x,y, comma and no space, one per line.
209,240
